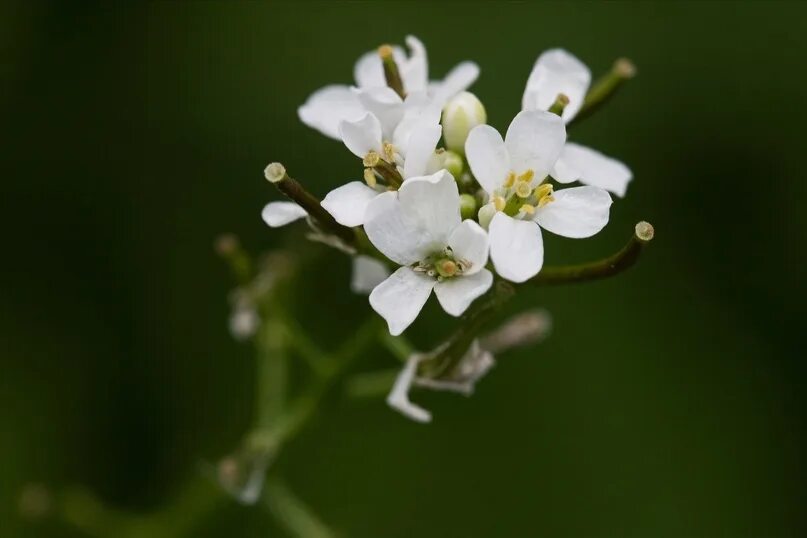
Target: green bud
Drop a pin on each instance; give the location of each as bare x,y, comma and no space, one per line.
453,163
460,115
467,206
486,214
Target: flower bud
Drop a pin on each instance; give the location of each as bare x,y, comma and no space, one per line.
467,206
486,214
460,115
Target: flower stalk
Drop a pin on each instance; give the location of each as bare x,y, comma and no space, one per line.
607,267
292,189
606,87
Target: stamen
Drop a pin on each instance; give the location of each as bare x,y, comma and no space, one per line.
527,176
369,178
545,200
543,190
510,179
499,203
527,209
371,159
389,152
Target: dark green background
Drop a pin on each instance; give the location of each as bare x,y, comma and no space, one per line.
668,401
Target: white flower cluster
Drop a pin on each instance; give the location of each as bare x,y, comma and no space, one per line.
440,213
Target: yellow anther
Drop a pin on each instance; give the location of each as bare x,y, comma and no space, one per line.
527,176
371,159
369,177
545,200
389,152
510,179
527,209
543,190
499,203
523,189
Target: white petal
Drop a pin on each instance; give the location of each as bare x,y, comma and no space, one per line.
327,107
434,204
369,72
415,69
487,156
458,79
516,247
399,395
557,71
348,203
591,167
469,242
576,212
362,136
395,232
534,141
385,105
409,225
367,274
277,214
400,298
419,149
456,294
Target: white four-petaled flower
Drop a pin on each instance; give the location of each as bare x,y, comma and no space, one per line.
419,227
513,171
558,71
326,108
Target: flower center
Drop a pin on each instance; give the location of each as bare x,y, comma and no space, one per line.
442,265
518,197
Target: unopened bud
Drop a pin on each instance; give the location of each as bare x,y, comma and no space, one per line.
462,113
453,163
275,172
486,214
467,206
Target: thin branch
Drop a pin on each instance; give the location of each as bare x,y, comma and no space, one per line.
276,174
610,266
605,88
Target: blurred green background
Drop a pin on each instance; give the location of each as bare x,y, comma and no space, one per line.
668,401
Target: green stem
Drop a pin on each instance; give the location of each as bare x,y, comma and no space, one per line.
295,191
303,409
470,327
606,87
610,266
292,512
272,366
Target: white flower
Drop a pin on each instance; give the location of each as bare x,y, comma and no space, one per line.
557,71
327,107
407,142
419,227
475,364
512,171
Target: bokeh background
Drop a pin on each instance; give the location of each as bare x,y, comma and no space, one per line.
668,401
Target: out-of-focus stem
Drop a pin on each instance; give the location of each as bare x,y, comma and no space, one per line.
292,512
610,266
470,328
606,87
